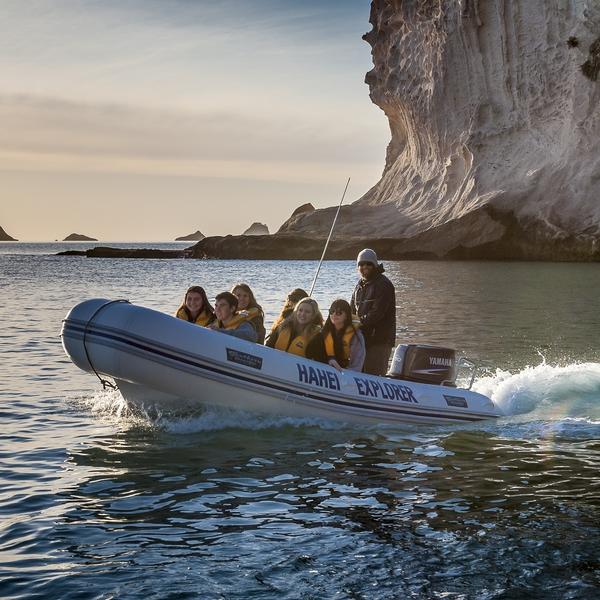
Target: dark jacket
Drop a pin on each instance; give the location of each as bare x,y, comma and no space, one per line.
315,350
374,301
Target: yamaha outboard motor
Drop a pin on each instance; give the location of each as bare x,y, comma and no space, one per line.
424,364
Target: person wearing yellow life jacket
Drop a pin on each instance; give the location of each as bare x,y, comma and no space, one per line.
344,344
298,333
290,302
249,309
228,322
195,307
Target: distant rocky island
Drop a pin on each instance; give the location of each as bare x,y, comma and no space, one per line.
257,229
4,237
192,237
78,237
107,252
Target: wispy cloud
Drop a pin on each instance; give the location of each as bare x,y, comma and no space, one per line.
57,134
175,51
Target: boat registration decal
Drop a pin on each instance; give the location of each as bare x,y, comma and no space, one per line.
243,358
457,401
387,391
316,376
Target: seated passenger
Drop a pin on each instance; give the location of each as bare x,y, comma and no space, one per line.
344,344
227,321
298,333
196,308
290,302
250,309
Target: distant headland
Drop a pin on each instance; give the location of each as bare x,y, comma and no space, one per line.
515,242
4,237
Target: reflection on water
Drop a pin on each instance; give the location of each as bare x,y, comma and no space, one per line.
288,509
96,502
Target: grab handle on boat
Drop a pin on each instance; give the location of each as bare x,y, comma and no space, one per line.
469,364
105,383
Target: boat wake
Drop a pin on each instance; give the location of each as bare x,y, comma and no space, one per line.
546,391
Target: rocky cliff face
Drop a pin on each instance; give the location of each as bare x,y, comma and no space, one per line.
494,112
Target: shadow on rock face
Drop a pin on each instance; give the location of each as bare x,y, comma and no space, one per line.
591,67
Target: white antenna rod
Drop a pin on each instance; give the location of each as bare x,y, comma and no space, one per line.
312,287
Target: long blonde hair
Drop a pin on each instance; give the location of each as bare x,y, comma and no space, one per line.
292,320
290,302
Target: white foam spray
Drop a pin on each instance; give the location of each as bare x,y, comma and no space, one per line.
546,391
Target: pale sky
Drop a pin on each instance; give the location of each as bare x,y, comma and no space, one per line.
142,120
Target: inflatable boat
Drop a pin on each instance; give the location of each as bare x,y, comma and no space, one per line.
160,362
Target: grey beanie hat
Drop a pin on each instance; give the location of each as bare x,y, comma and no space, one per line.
367,255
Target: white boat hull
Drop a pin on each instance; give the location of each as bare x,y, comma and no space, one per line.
165,363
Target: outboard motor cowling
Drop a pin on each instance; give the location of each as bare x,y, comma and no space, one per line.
424,364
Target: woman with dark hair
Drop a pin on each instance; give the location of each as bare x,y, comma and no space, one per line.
344,344
299,333
195,307
249,309
290,302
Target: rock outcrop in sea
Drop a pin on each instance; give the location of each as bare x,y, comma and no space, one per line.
192,237
79,237
108,252
494,111
4,237
257,229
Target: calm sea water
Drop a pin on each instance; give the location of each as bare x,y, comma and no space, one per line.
97,503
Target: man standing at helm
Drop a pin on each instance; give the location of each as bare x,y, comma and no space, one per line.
374,301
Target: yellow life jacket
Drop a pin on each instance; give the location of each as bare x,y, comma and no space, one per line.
240,317
204,318
298,345
346,340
